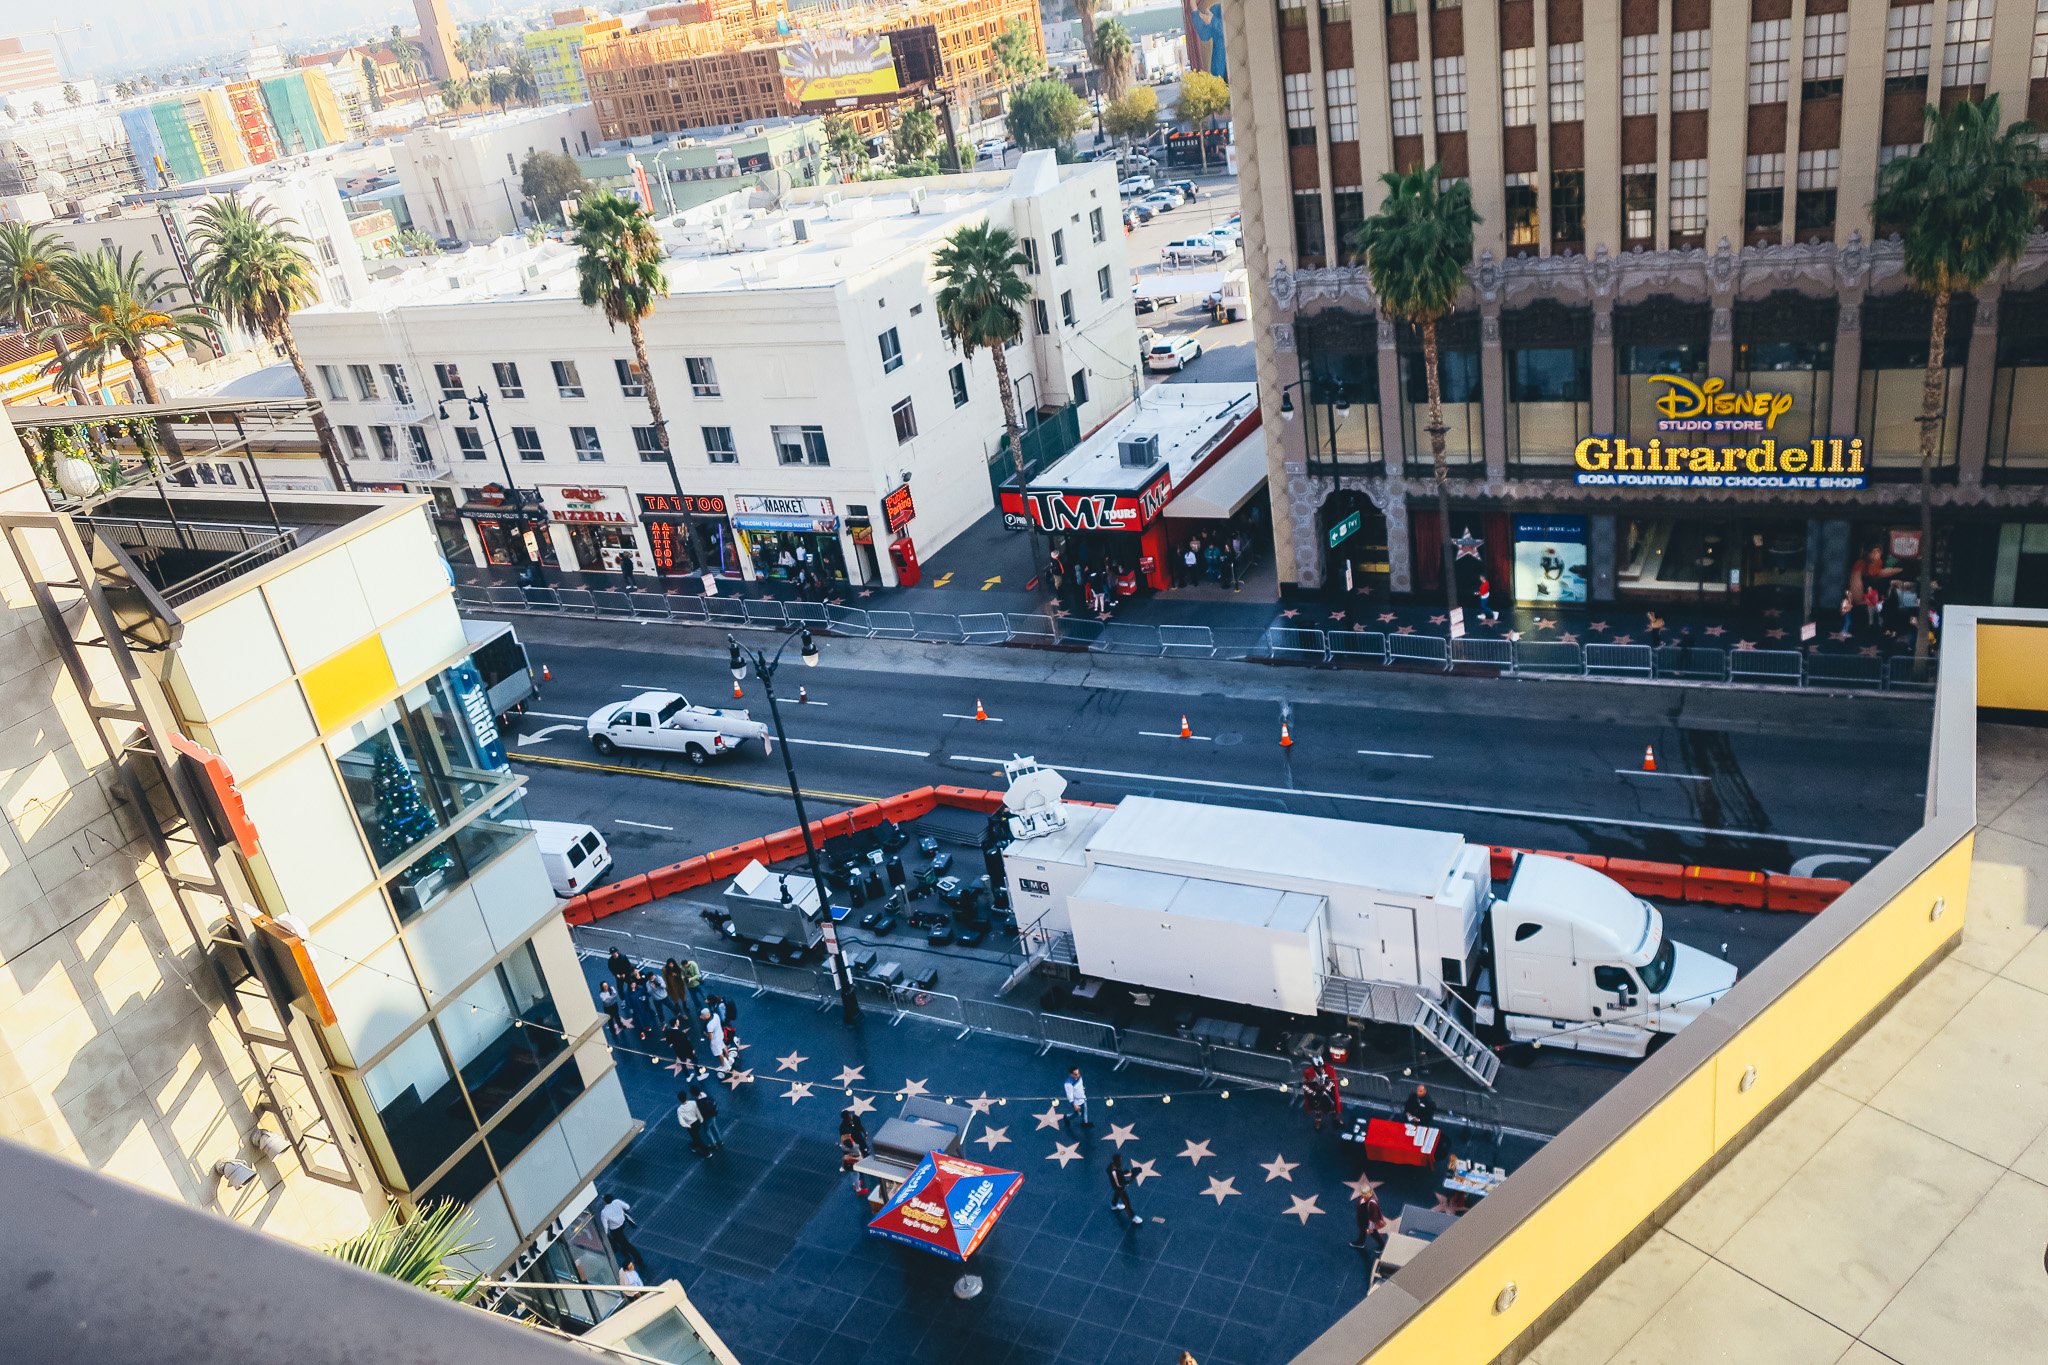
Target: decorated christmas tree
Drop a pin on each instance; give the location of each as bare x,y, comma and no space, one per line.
403,818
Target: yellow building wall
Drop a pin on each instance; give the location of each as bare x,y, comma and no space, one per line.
220,122
325,108
2012,667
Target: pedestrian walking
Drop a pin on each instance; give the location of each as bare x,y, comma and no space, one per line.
1077,1100
615,1215
634,1003
678,1036
851,1126
691,1118
629,1276
1120,1189
714,1031
707,1108
693,984
678,988
1485,593
608,1001
626,580
850,1153
1318,1093
1848,610
1372,1223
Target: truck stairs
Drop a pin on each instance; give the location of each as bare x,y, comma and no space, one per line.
1451,1038
1055,945
1398,1004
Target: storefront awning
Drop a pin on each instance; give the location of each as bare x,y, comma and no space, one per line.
1227,485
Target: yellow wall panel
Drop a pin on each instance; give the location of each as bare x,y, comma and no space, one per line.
349,684
2012,667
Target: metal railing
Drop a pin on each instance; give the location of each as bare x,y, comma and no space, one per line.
1276,644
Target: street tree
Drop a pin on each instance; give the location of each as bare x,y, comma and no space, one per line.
916,135
1416,249
525,80
1134,117
1110,49
454,93
499,89
548,177
1044,113
1084,10
117,311
252,269
1203,98
1015,52
31,285
619,273
980,303
843,140
1966,206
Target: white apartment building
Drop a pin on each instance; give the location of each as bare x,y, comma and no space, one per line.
462,180
815,411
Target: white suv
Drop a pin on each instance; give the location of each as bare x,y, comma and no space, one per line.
1193,249
1172,353
1137,184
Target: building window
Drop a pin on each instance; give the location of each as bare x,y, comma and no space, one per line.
568,381
1340,97
1567,82
647,441
1908,30
1104,284
1966,44
1350,379
507,373
1040,317
1059,246
1639,202
1692,61
892,351
1308,226
1888,154
1639,74
1067,306
449,379
470,441
1524,227
1404,96
2039,69
1077,386
1030,245
1294,13
1770,61
365,381
1518,87
588,448
1550,403
1666,338
1348,202
528,441
330,379
353,437
1447,89
1567,210
1763,192
718,445
632,383
1095,224
957,377
387,442
905,417
800,445
422,453
1301,113
1893,378
401,392
1459,383
1795,355
1819,175
1824,56
703,378
1688,197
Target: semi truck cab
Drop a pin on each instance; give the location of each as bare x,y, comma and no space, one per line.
1581,962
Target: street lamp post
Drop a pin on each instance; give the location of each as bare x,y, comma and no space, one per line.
764,668
540,573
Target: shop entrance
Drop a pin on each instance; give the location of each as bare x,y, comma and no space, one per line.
786,556
504,545
1774,566
600,548
1354,544
866,567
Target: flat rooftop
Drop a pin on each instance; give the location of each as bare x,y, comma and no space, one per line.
1188,419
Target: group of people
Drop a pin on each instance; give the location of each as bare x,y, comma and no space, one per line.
702,1030
804,569
1216,559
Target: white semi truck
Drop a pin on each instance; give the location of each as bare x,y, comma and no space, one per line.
1306,915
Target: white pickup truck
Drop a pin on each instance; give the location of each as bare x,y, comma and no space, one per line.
666,723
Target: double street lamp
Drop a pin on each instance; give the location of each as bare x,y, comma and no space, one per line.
764,668
527,522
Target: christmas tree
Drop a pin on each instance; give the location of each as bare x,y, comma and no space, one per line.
403,818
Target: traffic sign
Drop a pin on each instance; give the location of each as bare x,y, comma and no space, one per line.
1345,529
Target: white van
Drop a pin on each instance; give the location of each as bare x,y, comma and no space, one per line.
576,855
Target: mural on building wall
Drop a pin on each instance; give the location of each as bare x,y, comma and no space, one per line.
1205,37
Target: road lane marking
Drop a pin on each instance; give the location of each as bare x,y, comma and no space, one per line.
864,748
1548,816
772,788
1682,777
954,715
642,687
540,736
991,582
944,580
1393,753
638,824
1161,734
551,715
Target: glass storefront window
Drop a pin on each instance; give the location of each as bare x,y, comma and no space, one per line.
1550,403
1804,369
466,1179
534,1113
2019,413
1460,386
1350,381
1635,396
419,1105
502,1031
1889,402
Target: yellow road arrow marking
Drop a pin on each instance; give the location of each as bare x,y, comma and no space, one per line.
991,583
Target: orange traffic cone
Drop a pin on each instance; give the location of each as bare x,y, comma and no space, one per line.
736,688
1649,758
545,674
1185,733
1286,740
980,711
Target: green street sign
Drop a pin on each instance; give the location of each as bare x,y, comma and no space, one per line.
1345,529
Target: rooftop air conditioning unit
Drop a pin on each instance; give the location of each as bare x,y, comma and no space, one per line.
1138,452
917,199
755,130
802,228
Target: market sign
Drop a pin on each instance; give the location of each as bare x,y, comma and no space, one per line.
760,505
701,504
1823,463
834,68
897,508
1345,529
1704,407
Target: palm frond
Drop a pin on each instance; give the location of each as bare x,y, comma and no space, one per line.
1964,201
417,1253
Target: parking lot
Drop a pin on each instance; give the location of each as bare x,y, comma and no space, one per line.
1226,349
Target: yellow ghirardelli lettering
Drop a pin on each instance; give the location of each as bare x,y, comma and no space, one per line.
1702,460
1591,454
1855,455
1792,459
1684,399
1762,459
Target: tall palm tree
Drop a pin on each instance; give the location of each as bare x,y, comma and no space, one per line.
525,80
417,1253
980,298
1084,10
620,275
30,284
1111,52
122,312
454,93
252,269
1416,249
409,54
1966,203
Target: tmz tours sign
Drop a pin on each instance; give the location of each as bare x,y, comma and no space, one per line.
1096,511
1824,462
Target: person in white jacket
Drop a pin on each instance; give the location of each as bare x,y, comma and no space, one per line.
1077,1100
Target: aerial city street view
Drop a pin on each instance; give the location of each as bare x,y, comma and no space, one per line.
765,682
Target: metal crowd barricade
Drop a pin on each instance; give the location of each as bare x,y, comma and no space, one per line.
771,613
1078,630
1700,665
1187,642
806,613
1419,649
612,602
1765,665
1300,646
681,608
931,1006
1636,661
1259,1068
1845,670
933,625
896,625
1082,1035
796,981
1357,644
848,620
651,604
1548,656
1030,627
1182,1054
1899,674
1006,1021
1236,642
1126,637
1486,652
727,611
716,965
984,628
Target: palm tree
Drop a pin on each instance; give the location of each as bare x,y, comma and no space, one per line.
1416,249
980,295
407,53
417,1253
454,94
252,270
1084,10
498,88
620,274
123,312
30,284
525,81
1111,52
1966,204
